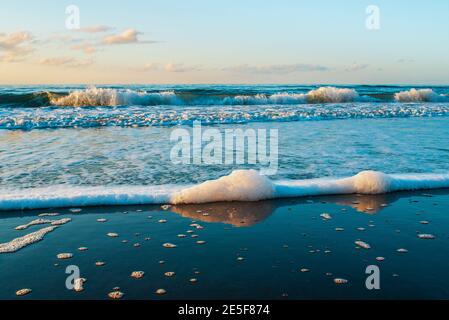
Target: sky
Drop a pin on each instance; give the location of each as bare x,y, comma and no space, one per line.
233,41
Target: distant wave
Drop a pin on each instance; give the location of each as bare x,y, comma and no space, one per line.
23,109
241,185
421,95
113,97
196,96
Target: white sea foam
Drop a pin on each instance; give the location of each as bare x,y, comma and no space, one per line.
421,95
241,185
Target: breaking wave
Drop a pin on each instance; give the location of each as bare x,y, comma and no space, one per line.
421,95
219,95
241,185
113,97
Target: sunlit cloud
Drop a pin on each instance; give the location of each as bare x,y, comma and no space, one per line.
180,67
67,62
14,47
152,66
276,69
95,29
60,38
126,37
85,47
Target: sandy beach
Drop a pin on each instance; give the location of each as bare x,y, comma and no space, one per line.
283,249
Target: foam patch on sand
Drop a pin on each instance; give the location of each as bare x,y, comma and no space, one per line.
43,221
19,243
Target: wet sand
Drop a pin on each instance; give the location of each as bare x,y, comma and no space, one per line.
285,249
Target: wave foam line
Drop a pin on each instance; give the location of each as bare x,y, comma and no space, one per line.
241,185
75,196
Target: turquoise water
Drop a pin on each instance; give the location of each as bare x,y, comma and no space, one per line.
141,156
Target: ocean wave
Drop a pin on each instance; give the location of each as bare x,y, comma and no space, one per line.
421,95
241,185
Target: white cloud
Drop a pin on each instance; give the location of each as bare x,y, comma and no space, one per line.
126,37
405,60
356,67
67,62
152,66
276,69
87,48
180,67
95,29
15,46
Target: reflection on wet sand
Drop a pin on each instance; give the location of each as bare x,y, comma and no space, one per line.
245,214
370,204
238,214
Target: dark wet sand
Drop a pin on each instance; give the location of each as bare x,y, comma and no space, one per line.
274,240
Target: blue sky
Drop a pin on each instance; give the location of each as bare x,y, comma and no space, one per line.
224,42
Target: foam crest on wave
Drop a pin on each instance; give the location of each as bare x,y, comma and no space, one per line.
241,185
420,95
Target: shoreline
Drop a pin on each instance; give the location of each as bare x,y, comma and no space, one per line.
239,186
